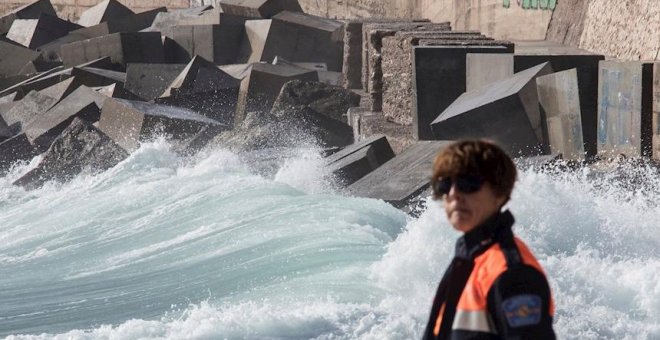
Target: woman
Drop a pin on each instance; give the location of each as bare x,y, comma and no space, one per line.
494,288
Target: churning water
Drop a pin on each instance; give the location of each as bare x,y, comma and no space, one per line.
263,246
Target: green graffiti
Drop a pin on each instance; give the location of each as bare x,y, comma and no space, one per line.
533,4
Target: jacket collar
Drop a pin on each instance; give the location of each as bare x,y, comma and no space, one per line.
483,236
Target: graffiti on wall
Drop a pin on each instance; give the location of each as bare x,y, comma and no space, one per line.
533,4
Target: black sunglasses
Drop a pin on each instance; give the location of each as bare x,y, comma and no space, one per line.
464,184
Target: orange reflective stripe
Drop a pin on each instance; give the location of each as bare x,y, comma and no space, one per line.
438,321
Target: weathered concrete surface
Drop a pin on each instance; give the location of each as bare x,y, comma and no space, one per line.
439,79
122,48
25,111
264,9
331,101
83,103
626,30
216,43
559,95
261,87
80,148
625,109
507,112
483,69
562,58
149,81
200,75
31,10
372,44
392,92
106,10
33,33
327,77
130,122
14,149
357,160
656,112
13,58
367,124
202,15
401,178
296,37
37,82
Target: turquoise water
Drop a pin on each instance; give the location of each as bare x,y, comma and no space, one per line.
264,245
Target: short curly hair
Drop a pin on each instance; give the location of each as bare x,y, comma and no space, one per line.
480,158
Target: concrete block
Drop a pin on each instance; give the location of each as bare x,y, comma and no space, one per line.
296,37
107,10
264,9
5,131
625,109
483,69
130,122
656,112
391,82
401,178
13,58
357,160
184,16
33,33
14,149
37,66
325,76
507,112
24,112
216,43
37,82
261,87
116,90
126,24
122,48
562,58
200,75
439,78
11,81
30,11
331,101
373,42
80,147
83,103
353,42
149,81
559,95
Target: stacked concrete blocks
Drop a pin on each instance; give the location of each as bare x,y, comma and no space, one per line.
83,103
559,95
149,81
440,78
33,33
296,37
507,112
30,11
625,109
562,58
392,93
483,69
216,43
262,85
130,122
105,10
14,57
122,48
261,9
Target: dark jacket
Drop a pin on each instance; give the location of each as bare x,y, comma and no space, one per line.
494,288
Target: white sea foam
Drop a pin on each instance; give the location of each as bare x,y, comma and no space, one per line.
222,245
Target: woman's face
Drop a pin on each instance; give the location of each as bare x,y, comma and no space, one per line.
465,211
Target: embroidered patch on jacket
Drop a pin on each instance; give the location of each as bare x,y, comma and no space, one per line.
522,310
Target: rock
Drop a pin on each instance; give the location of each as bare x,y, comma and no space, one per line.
332,101
80,147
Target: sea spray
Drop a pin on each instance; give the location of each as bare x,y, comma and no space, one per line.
224,245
